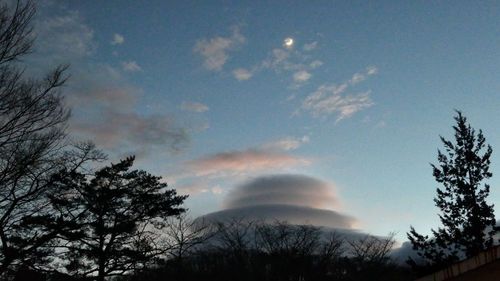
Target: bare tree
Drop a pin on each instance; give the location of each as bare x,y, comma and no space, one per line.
32,131
184,235
285,239
234,235
371,248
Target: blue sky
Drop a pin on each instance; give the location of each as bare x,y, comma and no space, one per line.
207,95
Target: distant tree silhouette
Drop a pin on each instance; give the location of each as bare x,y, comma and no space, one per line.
184,235
32,129
468,220
255,250
114,218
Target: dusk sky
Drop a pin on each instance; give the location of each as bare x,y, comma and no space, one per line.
327,112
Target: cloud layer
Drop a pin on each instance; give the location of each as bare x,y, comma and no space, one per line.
297,199
288,213
297,190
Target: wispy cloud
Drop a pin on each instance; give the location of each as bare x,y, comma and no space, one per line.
332,98
244,162
316,64
105,105
284,60
215,50
301,76
131,66
118,39
63,38
287,143
362,76
198,188
194,107
310,46
242,74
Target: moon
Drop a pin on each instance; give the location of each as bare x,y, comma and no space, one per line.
288,42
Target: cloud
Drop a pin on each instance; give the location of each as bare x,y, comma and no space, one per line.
310,46
215,50
118,39
105,106
242,74
194,107
291,214
316,64
198,188
284,60
297,199
286,189
131,66
360,76
287,143
371,70
62,39
243,162
301,76
128,130
331,98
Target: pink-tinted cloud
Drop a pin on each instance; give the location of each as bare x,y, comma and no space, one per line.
243,162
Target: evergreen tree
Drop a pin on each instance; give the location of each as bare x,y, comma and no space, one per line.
114,216
468,221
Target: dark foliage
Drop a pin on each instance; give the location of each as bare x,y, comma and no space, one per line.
114,218
468,220
240,250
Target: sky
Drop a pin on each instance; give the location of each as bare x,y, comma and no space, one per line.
325,112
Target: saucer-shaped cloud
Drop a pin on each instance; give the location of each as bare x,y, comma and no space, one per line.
296,199
286,189
289,213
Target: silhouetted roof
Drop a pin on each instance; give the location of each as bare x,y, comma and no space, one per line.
485,267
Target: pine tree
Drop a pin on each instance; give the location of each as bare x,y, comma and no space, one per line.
468,221
115,217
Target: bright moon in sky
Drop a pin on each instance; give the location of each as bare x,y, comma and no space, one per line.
288,42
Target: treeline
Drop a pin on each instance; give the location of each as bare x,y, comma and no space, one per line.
238,249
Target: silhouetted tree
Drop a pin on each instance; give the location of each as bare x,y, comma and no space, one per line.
468,220
115,216
32,122
184,235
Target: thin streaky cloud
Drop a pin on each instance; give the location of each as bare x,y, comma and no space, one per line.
194,107
242,74
331,99
131,66
286,143
243,162
310,46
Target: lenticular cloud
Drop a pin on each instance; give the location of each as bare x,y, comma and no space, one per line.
297,199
